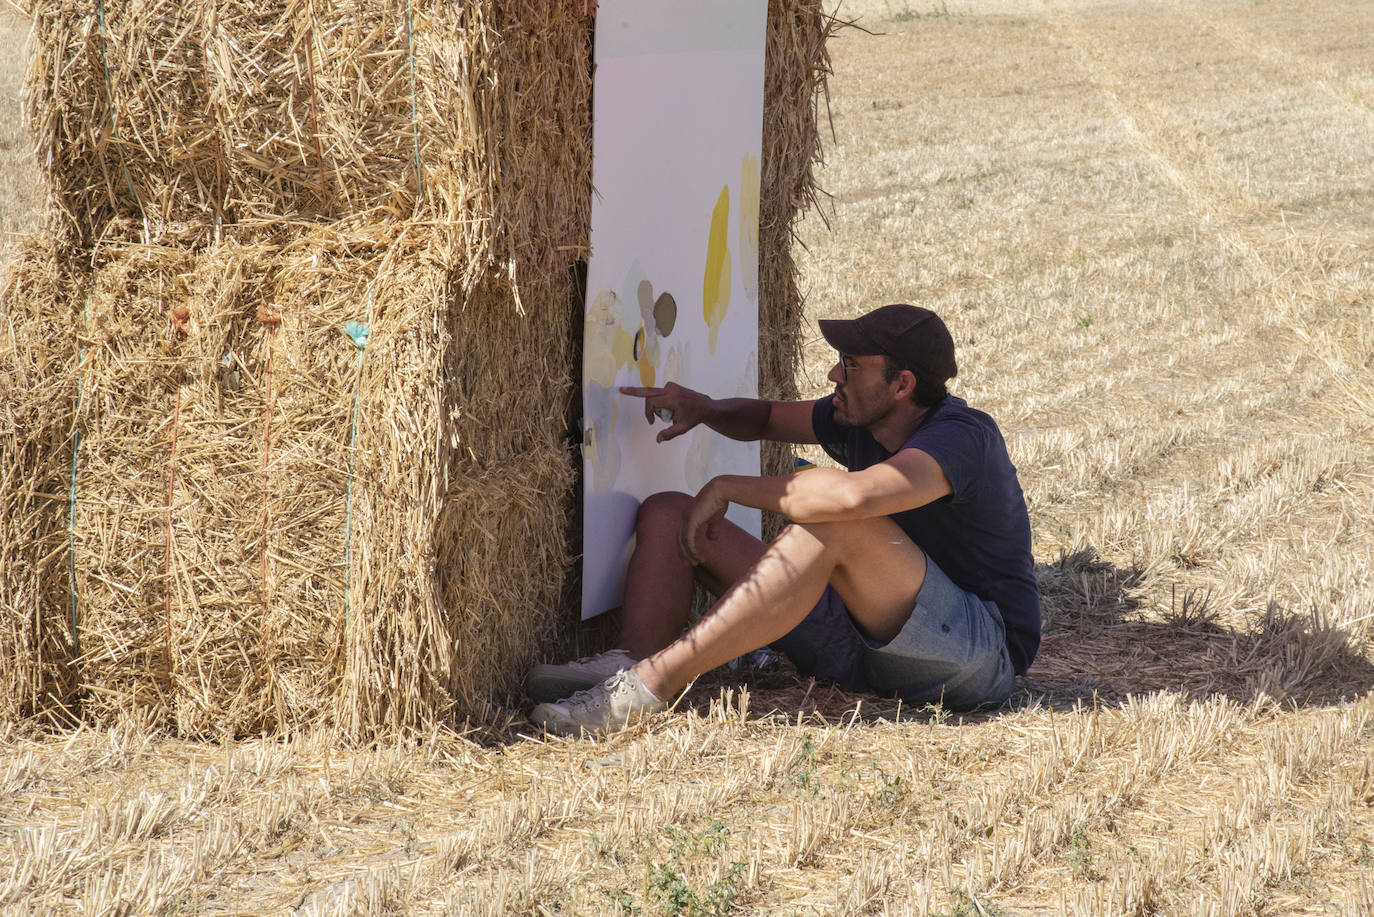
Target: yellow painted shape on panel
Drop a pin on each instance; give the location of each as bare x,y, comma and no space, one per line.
715,284
623,348
643,358
598,358
749,226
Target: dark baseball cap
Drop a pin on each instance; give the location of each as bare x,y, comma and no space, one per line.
915,338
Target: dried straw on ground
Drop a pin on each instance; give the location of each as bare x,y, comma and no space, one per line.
230,514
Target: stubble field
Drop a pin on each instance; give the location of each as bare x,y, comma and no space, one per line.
1150,227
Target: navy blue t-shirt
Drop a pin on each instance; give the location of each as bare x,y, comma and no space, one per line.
979,534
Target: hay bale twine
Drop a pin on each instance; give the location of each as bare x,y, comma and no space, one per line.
39,353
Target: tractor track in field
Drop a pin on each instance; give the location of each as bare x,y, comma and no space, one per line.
1322,76
1180,151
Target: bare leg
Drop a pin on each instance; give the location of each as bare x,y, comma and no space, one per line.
658,587
871,563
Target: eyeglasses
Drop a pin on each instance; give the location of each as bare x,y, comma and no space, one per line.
889,374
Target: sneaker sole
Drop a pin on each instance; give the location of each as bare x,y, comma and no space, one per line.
557,724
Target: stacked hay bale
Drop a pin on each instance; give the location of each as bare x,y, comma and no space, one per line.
290,377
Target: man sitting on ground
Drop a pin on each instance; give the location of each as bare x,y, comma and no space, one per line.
908,575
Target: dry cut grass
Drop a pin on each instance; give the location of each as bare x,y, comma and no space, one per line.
1154,805
1149,227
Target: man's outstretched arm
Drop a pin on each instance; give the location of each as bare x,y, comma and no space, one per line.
744,419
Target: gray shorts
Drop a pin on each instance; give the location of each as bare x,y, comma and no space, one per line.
952,650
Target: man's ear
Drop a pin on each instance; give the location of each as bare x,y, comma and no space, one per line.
906,384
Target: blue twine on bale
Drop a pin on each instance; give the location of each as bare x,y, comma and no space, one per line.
74,634
357,332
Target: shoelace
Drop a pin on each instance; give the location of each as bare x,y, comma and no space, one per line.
584,697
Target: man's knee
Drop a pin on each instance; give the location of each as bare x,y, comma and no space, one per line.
662,510
846,534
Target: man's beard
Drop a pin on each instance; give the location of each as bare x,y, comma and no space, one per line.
842,415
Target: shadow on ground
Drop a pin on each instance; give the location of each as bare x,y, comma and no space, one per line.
1097,641
1099,647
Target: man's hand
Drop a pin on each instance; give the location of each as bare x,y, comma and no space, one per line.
742,419
681,407
707,510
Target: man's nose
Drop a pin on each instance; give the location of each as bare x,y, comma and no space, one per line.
836,373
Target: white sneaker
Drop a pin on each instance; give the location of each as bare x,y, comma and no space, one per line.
555,682
610,706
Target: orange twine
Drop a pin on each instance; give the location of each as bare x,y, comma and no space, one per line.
180,321
181,316
271,320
